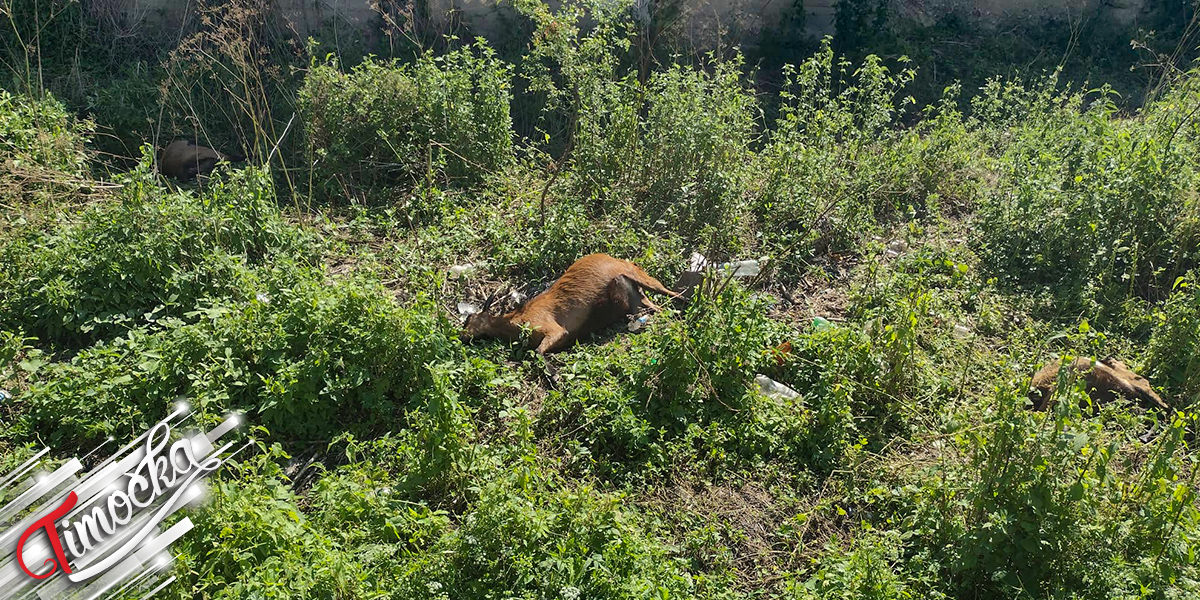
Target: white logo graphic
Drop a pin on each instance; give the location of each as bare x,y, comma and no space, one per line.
97,535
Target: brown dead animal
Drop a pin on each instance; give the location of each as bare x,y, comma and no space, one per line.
185,160
595,292
1104,380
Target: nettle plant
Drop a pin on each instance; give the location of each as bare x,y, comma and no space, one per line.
41,133
665,151
1174,348
1095,208
384,126
837,165
1060,503
146,255
677,398
42,153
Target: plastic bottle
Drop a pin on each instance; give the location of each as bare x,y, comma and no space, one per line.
743,268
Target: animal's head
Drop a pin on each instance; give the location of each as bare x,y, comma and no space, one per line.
1125,373
1131,384
479,324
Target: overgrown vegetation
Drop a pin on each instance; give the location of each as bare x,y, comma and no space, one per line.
919,262
387,125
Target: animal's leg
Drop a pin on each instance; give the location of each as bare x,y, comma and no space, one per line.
550,372
646,302
629,296
644,279
553,340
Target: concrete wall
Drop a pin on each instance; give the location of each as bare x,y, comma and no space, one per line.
996,11
708,22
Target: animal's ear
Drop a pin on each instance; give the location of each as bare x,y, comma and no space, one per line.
1112,361
492,299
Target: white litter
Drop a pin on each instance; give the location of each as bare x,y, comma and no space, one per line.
742,268
461,271
773,389
466,308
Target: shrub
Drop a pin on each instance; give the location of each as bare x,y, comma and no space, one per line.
252,535
1058,505
681,399
837,166
302,355
574,542
1092,208
681,167
864,570
666,151
145,256
516,533
677,397
42,153
694,151
41,133
1173,353
574,69
363,503
383,124
854,387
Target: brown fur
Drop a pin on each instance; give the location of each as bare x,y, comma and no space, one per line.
595,292
184,160
1104,380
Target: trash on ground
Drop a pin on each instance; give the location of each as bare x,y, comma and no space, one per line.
897,247
773,389
461,271
698,264
639,323
693,276
821,323
467,309
5,395
962,331
742,268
